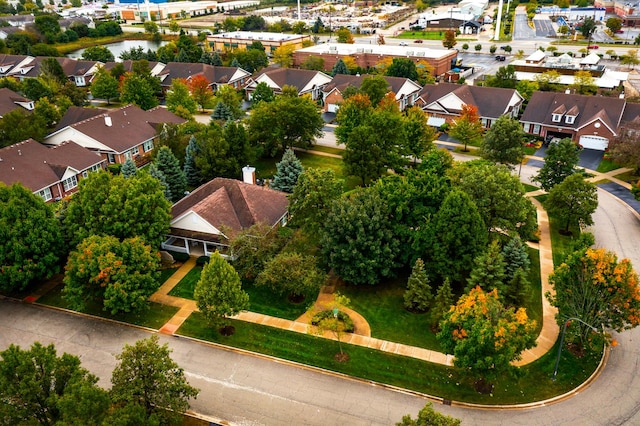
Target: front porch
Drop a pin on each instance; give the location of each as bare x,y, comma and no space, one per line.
196,244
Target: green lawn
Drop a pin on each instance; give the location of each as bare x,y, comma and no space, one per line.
628,177
165,274
382,306
425,35
534,384
529,188
534,304
606,166
154,317
264,301
328,149
187,284
560,244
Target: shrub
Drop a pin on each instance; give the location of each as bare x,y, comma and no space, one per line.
635,190
114,169
346,320
179,257
202,260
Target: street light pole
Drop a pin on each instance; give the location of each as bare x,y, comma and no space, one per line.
564,329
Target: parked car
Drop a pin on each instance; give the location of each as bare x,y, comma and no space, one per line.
500,57
593,46
417,41
620,32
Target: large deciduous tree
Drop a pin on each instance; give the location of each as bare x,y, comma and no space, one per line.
124,208
467,128
499,196
376,87
402,67
504,142
253,247
458,235
98,53
315,191
596,287
420,135
561,160
32,240
178,97
136,89
287,122
39,387
200,90
358,240
288,171
574,201
262,93
291,274
219,292
147,377
104,85
120,275
624,149
429,417
485,337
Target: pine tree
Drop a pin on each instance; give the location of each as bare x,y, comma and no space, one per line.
216,60
289,168
418,295
339,68
235,63
153,171
488,272
205,58
518,291
168,164
222,112
129,168
441,303
515,257
191,172
182,56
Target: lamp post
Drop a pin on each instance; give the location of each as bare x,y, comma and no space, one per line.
564,329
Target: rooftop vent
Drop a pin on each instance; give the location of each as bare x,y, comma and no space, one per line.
107,121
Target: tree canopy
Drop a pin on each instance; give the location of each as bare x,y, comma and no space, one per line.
32,239
504,142
312,196
561,161
467,128
574,201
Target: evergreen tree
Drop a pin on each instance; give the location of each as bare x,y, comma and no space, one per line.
317,26
129,168
418,295
235,64
488,272
339,68
216,60
182,56
289,169
168,164
441,303
515,257
191,172
205,58
154,172
518,291
222,112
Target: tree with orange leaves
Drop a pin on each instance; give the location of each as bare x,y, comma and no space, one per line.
467,128
485,337
594,286
200,90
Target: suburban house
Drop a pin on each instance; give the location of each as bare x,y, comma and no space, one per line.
207,218
216,76
443,102
305,81
50,172
78,71
590,121
155,67
9,62
118,134
10,100
405,90
367,56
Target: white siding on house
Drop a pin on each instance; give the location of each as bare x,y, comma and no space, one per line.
191,221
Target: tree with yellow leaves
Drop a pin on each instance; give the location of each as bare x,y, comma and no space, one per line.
595,287
485,337
283,55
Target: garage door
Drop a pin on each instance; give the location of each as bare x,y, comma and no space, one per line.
332,108
594,142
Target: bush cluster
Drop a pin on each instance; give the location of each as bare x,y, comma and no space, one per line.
346,320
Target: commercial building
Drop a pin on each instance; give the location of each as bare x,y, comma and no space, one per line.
243,39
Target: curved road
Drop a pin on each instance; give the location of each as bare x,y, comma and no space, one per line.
250,390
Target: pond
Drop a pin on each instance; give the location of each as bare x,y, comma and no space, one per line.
121,46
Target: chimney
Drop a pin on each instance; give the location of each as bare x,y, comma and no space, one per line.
107,121
249,175
621,95
568,91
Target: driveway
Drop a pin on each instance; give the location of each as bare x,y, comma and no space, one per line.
589,158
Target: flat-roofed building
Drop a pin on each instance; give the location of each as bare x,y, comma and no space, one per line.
367,56
242,39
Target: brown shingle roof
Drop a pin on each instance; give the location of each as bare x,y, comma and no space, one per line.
77,114
8,99
491,101
542,105
184,70
233,205
129,126
288,76
37,167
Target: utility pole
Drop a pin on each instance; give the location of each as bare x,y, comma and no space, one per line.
498,22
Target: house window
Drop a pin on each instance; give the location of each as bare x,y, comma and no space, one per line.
111,158
527,127
147,146
536,129
85,174
70,183
556,118
484,122
127,155
570,119
45,194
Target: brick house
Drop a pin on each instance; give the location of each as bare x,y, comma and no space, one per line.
50,172
305,81
216,76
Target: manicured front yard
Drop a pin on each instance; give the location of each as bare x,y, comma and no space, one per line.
535,383
187,285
